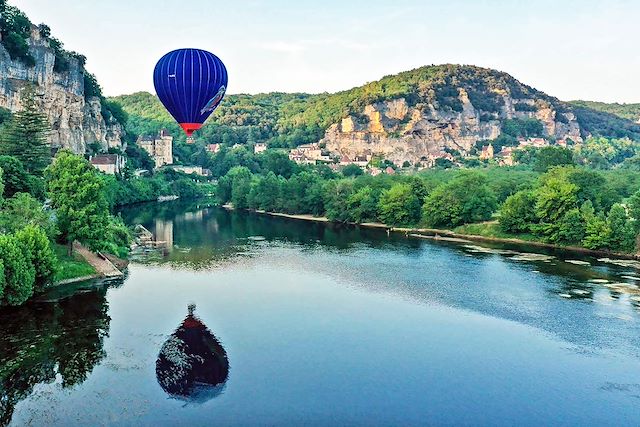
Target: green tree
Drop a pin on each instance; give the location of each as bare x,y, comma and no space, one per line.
336,193
78,195
622,234
517,213
363,205
351,170
42,258
25,137
598,233
465,199
399,205
240,178
22,210
548,157
571,228
19,272
15,177
554,199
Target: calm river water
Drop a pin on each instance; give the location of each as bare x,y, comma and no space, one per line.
311,324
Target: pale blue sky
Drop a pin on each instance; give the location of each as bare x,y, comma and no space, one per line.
585,49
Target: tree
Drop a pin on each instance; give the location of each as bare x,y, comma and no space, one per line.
547,157
622,234
77,195
19,272
336,193
554,198
25,137
571,228
465,199
518,212
399,205
363,205
266,193
42,258
598,233
16,179
22,210
351,170
240,179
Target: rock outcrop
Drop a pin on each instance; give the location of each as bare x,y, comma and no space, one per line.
397,131
75,122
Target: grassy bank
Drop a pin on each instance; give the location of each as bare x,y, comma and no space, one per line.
70,267
492,229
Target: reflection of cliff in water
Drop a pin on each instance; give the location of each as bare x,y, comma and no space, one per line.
42,340
192,364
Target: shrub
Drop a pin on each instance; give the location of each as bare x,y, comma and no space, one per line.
42,255
19,272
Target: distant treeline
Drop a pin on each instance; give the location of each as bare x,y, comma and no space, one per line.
566,204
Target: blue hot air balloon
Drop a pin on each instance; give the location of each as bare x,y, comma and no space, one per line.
190,83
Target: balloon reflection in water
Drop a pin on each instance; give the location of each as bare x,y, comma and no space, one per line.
192,364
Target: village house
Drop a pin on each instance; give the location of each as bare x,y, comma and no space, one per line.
311,151
160,147
212,148
533,142
108,163
198,170
487,152
375,171
259,147
389,170
505,156
300,158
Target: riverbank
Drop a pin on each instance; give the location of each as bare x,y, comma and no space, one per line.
85,265
453,236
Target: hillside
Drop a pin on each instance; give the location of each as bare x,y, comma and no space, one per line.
407,116
626,111
70,97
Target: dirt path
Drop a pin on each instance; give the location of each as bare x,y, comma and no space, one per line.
103,266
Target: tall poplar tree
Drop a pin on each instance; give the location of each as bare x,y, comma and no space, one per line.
25,136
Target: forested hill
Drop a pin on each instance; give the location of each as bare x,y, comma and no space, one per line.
442,103
626,111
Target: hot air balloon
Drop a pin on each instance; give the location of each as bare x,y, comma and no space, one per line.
191,84
192,364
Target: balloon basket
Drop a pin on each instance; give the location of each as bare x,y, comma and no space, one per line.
191,140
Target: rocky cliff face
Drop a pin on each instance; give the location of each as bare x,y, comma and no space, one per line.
75,122
399,132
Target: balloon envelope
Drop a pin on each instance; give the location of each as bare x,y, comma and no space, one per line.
190,83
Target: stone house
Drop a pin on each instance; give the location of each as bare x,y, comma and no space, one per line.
108,163
159,147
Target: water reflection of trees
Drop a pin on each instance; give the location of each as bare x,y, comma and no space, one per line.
202,236
42,340
192,364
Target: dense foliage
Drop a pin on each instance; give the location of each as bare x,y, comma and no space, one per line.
626,111
567,204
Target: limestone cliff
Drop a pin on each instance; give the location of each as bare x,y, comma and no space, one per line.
402,132
75,122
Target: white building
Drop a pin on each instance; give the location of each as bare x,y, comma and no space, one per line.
259,147
108,163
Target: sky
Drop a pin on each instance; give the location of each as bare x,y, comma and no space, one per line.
584,49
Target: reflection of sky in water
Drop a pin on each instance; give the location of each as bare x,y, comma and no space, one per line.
551,291
329,325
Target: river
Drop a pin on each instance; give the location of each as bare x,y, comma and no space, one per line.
317,324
